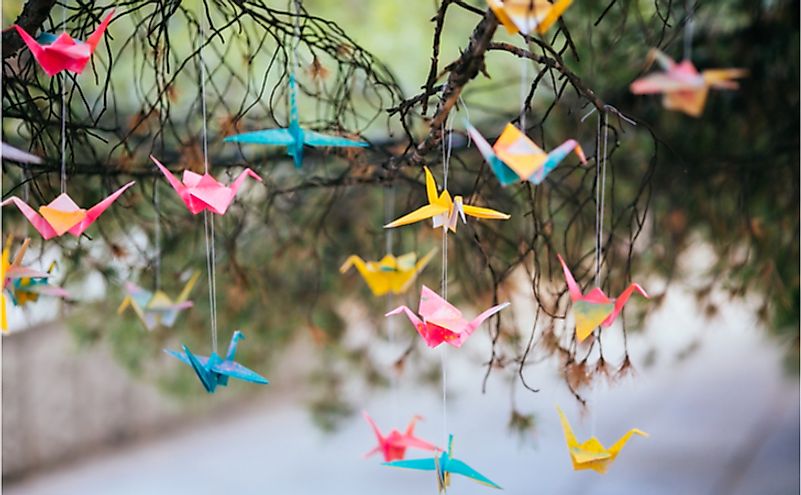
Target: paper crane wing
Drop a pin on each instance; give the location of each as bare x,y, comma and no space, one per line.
276,137
428,464
423,213
16,155
185,358
486,213
413,442
554,158
435,309
527,15
312,138
661,82
236,370
505,175
94,212
205,376
39,223
459,467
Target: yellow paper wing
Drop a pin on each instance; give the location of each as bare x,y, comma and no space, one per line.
497,7
588,316
723,78
486,213
423,213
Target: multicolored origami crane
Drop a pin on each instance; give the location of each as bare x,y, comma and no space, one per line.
390,274
394,445
445,211
514,157
444,466
62,52
528,15
592,454
595,309
22,284
17,155
440,321
683,87
204,192
62,215
214,371
156,309
295,137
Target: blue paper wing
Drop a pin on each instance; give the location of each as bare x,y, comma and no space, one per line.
504,174
278,137
419,464
316,139
458,467
555,157
180,355
236,370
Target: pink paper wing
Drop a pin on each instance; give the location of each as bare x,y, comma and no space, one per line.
572,286
33,217
217,198
94,212
244,175
661,83
622,300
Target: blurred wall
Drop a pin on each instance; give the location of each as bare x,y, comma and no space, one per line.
61,402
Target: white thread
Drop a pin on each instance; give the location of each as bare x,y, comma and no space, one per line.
689,27
447,148
64,112
523,92
600,198
296,41
158,234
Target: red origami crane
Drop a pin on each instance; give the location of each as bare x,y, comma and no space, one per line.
62,215
394,445
440,321
62,52
595,308
204,192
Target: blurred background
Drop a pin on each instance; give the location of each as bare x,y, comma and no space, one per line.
702,212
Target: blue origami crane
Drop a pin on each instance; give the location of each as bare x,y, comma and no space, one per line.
213,370
444,466
295,136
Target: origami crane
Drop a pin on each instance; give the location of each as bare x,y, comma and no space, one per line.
213,370
683,87
22,284
204,192
592,454
62,215
445,211
390,274
595,308
444,466
515,157
394,445
156,308
62,52
16,155
440,321
528,15
295,137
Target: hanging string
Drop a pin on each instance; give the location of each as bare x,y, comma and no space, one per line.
523,92
296,41
63,78
447,148
689,28
158,233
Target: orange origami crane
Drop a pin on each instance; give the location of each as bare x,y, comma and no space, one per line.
683,87
204,192
62,215
393,446
390,274
592,454
445,211
62,52
528,15
595,308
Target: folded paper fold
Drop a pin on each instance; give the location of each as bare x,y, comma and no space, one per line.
390,273
393,446
527,16
156,309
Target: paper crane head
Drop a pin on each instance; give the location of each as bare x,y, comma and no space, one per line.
439,321
390,274
514,157
62,215
204,192
595,309
62,52
393,446
591,454
527,16
444,210
684,88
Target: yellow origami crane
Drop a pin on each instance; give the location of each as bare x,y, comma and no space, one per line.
592,454
390,274
528,15
156,308
445,211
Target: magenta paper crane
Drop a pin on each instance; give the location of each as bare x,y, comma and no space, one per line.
62,215
204,192
394,445
595,309
62,52
440,321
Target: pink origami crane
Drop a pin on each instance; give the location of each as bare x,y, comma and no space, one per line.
595,309
62,52
683,87
441,321
394,445
204,192
63,215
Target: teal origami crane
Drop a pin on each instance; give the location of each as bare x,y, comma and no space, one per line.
295,137
214,370
444,466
